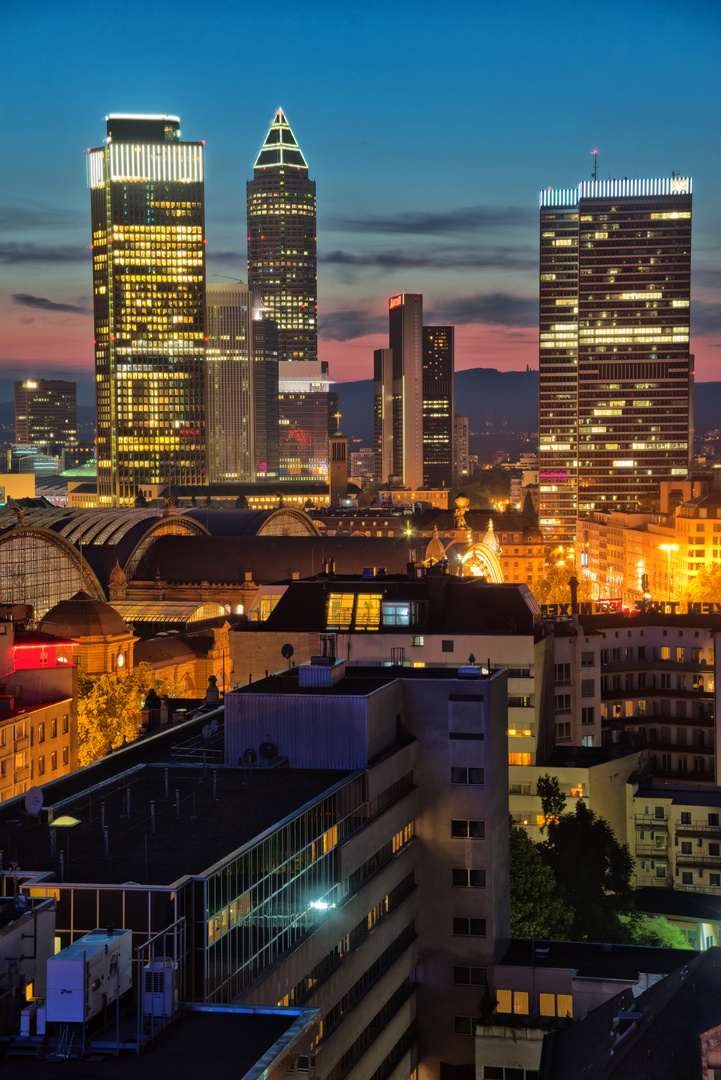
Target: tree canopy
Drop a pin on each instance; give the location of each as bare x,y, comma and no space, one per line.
706,586
537,907
110,709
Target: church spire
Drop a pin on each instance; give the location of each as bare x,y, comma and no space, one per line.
280,149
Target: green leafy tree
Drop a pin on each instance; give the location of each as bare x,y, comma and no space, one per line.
486,489
110,709
706,586
538,908
554,588
654,930
553,802
593,872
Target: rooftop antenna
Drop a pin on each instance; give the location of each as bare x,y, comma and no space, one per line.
595,164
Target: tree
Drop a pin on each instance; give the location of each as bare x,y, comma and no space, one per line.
538,908
554,587
593,872
488,488
654,930
553,802
706,586
110,708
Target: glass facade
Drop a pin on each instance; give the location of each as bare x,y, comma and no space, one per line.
148,241
41,569
229,384
438,359
615,371
45,412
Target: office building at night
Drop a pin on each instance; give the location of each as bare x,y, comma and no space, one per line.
438,427
282,267
147,204
413,399
615,372
46,412
229,394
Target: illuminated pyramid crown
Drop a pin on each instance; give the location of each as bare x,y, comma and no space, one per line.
280,148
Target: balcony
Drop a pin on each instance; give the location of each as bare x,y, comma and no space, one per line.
648,821
655,692
22,743
657,665
650,851
22,775
697,828
706,862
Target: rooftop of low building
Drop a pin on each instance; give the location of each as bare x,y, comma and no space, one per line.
595,960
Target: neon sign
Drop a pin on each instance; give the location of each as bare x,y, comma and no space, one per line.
395,301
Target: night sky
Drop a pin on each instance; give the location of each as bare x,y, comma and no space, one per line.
428,128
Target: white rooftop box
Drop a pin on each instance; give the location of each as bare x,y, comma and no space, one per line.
89,974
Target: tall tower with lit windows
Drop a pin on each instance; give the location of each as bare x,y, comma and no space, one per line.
282,267
615,370
148,222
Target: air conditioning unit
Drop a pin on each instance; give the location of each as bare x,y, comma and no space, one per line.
161,987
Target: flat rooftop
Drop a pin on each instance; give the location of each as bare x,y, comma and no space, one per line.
360,681
596,961
207,830
225,1044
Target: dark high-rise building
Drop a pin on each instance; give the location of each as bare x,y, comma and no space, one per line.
413,399
229,396
615,372
148,221
438,357
265,397
46,412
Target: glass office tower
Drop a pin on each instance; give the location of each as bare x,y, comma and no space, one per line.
146,193
438,360
615,370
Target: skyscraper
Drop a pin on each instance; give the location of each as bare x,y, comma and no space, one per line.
413,399
438,360
282,266
46,412
615,371
148,222
230,383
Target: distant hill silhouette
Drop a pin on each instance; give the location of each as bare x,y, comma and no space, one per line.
508,399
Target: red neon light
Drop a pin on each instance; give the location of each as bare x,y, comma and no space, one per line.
395,301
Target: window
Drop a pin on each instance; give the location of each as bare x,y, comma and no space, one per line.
576,791
680,654
713,849
417,640
368,611
66,755
446,645
665,652
660,870
685,817
465,1025
555,1005
519,789
562,703
588,687
659,812
461,775
396,614
54,728
686,847
714,880
65,724
588,715
713,819
472,830
665,681
586,659
642,652
41,766
562,674
340,611
687,877
54,761
519,759
41,733
468,879
515,1001
563,732
463,927
470,976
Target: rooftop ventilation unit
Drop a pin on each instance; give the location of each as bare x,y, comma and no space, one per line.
161,987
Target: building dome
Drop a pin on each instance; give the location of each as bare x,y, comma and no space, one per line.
82,617
490,540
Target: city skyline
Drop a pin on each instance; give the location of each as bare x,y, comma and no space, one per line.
424,184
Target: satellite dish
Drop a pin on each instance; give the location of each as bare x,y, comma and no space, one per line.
34,801
206,731
213,726
287,651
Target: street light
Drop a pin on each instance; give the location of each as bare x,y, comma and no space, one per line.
668,548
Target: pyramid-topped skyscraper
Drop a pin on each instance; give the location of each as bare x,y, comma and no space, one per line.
282,270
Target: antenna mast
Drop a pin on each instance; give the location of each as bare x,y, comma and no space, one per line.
594,174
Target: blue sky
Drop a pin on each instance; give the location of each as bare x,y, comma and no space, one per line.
428,129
